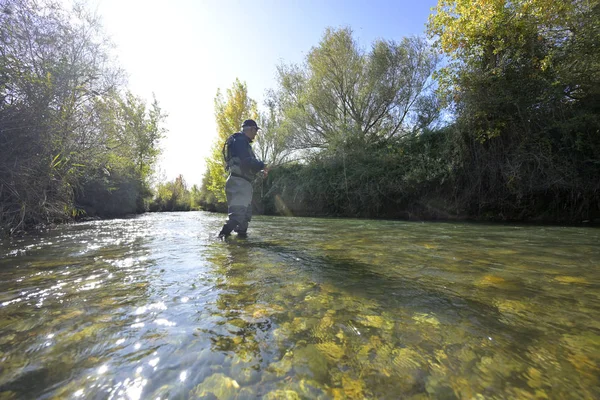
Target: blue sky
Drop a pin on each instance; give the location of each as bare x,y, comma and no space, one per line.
184,50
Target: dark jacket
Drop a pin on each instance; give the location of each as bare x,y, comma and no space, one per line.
240,158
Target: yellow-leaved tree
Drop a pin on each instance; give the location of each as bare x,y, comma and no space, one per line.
492,36
230,111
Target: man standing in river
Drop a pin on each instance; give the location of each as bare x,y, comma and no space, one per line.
242,165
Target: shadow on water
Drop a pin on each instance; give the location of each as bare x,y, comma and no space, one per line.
392,291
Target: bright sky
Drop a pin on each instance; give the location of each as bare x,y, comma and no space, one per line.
184,50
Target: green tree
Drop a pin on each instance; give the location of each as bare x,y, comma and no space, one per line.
72,140
117,180
195,198
505,57
53,64
274,142
523,80
346,95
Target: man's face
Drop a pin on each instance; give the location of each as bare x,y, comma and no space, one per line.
252,131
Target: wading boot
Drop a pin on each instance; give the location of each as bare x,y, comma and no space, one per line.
224,234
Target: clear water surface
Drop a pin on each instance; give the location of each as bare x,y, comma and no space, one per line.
154,307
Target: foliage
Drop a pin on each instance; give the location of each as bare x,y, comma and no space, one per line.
208,201
350,131
503,59
195,198
174,196
70,140
407,177
274,140
344,95
525,90
118,181
522,83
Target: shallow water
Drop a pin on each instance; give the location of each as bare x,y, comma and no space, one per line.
155,307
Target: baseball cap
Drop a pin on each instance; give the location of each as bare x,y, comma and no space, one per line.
250,122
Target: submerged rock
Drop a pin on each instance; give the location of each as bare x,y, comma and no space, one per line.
309,389
218,385
374,321
245,373
490,280
331,351
8,395
281,395
282,367
309,360
300,324
246,394
571,279
351,388
422,318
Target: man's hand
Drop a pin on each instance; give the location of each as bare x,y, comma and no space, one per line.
265,171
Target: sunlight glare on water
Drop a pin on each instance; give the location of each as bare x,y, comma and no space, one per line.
155,307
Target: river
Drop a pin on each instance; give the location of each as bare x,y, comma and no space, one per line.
155,307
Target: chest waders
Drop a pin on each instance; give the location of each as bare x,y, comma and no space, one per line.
238,189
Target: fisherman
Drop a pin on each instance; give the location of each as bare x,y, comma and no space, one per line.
242,165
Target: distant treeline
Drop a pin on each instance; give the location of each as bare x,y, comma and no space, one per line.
73,141
498,120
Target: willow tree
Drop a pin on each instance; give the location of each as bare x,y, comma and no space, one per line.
344,94
230,111
503,58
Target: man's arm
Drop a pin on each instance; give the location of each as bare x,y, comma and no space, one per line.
248,161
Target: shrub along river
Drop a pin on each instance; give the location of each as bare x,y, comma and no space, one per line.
155,307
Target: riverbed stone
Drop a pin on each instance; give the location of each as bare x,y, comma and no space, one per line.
219,385
281,395
571,279
309,360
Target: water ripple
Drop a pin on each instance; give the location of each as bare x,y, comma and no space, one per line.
153,306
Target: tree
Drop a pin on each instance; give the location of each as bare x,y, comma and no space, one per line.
173,196
504,58
53,63
72,139
273,143
344,94
523,78
195,198
515,64
117,178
